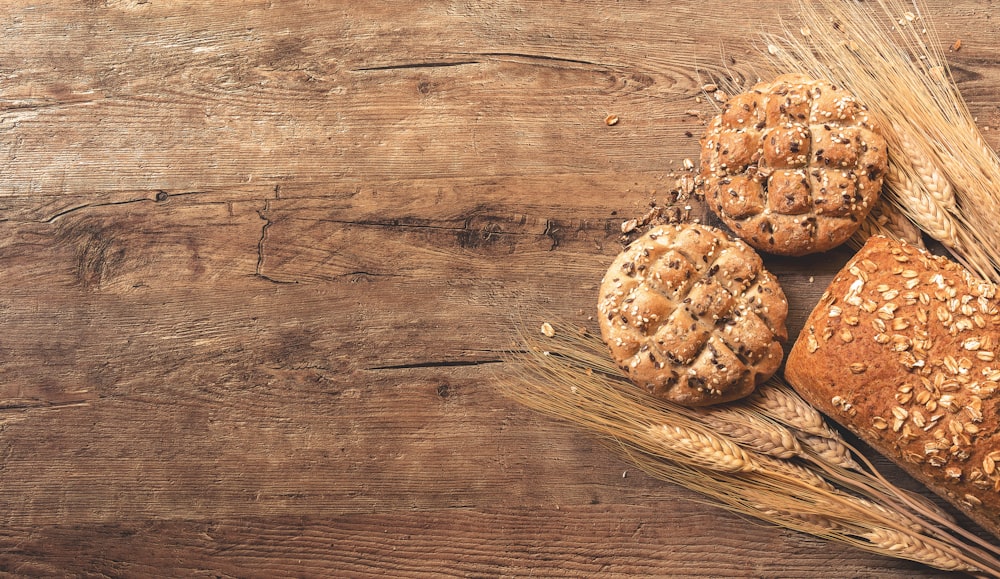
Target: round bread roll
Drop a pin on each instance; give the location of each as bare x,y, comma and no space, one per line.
793,166
692,316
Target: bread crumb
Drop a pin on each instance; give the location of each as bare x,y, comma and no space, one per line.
548,330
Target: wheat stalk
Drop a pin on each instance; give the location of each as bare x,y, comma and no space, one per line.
771,465
898,225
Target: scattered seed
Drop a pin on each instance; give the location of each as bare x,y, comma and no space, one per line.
611,120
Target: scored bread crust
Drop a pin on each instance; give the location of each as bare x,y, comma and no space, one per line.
792,166
902,350
692,316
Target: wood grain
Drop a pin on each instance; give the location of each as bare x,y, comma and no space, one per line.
260,259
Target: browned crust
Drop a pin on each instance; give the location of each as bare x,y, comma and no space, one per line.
901,351
792,166
692,316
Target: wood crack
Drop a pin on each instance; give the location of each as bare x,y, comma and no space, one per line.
33,403
437,364
83,206
259,271
544,57
406,65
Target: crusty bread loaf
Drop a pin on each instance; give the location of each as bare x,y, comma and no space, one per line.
692,316
901,350
792,166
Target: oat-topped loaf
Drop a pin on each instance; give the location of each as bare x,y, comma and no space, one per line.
793,166
902,350
692,315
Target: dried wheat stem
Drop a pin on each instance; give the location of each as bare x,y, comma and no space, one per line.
869,227
813,523
916,548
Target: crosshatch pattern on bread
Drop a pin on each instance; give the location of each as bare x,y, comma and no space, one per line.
692,315
792,166
902,350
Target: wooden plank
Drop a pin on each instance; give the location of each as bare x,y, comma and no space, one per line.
260,261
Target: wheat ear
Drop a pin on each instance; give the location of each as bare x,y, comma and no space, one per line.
771,465
935,183
885,219
913,547
701,447
780,403
921,207
830,450
757,434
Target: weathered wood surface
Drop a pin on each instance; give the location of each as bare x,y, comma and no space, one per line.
259,260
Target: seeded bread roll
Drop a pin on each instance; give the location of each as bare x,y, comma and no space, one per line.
692,315
793,166
901,351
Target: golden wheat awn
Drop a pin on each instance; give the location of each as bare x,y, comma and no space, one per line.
810,477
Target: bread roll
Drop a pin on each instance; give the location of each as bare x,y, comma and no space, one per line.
902,350
692,315
792,166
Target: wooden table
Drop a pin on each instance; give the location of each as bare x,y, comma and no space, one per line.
259,261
